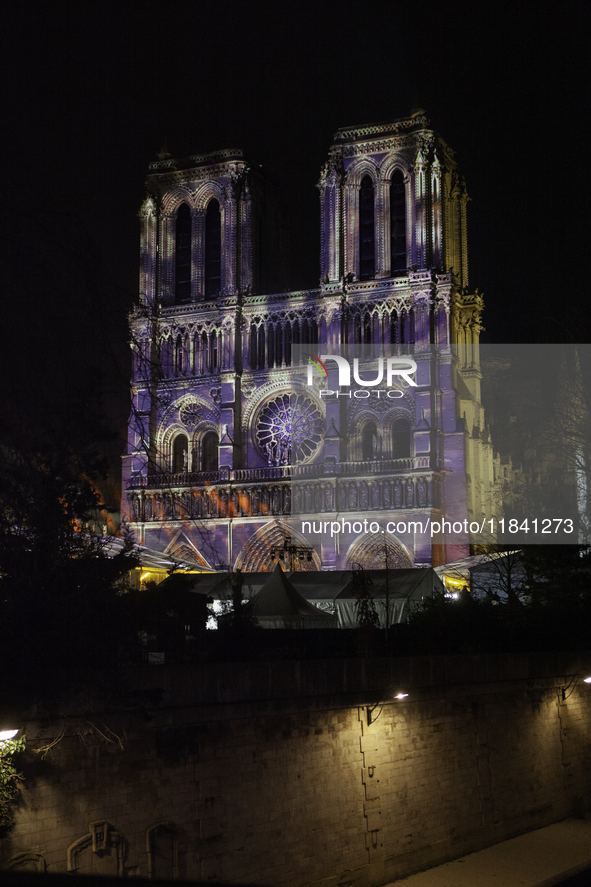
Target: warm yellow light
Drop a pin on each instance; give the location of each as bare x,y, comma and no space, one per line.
5,735
455,583
144,576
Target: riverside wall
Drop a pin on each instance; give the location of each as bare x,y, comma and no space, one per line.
268,773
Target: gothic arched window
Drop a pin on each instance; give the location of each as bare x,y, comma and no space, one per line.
401,439
205,352
369,442
178,356
288,344
278,345
367,258
213,249
253,347
394,328
182,274
180,454
261,347
397,224
213,350
209,452
271,344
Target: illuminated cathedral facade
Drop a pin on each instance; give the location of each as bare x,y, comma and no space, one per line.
232,454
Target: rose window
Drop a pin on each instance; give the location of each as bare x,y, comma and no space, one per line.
289,429
190,413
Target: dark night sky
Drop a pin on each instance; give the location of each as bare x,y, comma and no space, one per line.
91,92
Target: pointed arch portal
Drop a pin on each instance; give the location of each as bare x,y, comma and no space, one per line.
371,553
255,557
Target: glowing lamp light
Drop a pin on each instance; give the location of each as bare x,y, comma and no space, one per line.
401,696
5,735
587,680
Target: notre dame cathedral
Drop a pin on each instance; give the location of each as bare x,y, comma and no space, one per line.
238,446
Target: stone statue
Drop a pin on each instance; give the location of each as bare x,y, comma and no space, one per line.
364,495
422,491
409,493
375,495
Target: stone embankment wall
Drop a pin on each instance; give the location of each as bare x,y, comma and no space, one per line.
269,773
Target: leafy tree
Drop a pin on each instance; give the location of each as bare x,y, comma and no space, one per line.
9,779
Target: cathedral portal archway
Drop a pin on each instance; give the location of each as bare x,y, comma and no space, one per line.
371,553
255,557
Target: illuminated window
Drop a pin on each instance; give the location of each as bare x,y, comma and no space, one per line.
182,278
180,451
210,451
213,249
401,439
367,262
397,224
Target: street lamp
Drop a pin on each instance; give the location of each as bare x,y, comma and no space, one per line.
573,683
371,708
